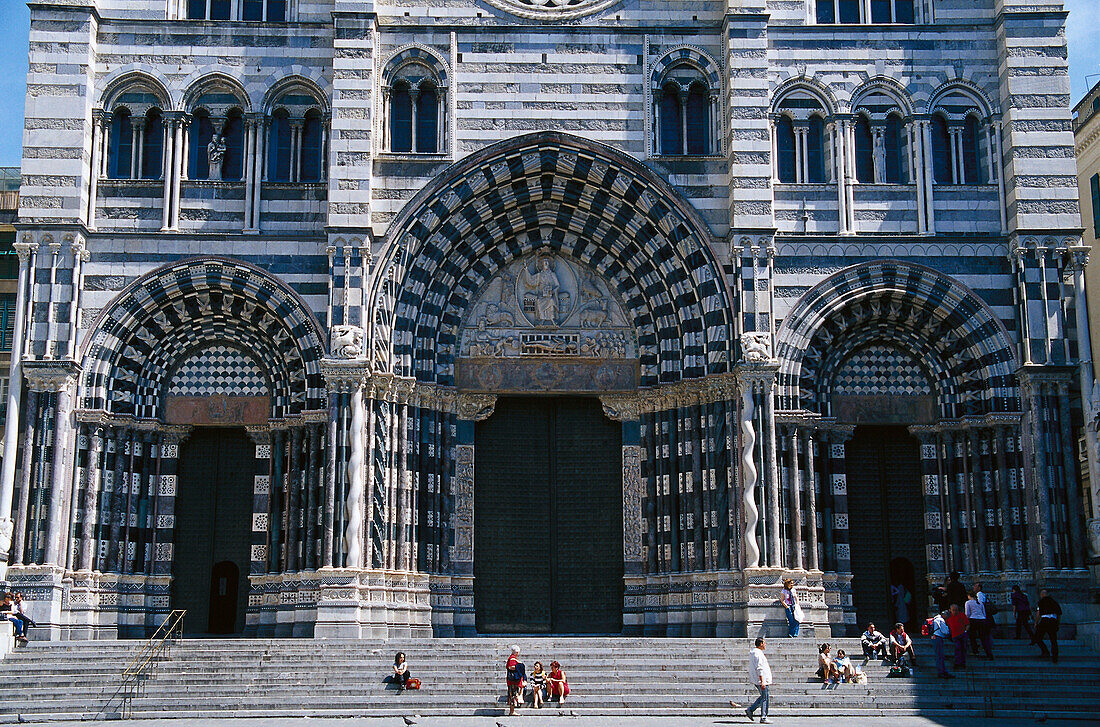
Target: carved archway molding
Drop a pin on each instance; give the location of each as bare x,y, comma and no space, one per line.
578,200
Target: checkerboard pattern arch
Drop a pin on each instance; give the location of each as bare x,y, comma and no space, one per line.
581,200
936,319
140,339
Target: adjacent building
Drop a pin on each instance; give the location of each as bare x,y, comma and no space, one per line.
396,318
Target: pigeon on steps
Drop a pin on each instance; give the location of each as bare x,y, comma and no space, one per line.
410,721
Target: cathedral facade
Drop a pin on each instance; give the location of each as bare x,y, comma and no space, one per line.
393,318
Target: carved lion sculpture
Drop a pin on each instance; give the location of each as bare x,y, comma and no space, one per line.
756,347
347,342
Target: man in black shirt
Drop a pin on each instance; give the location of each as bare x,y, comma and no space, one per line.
956,591
1049,615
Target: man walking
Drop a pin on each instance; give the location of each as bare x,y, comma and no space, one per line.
1021,607
1050,613
760,674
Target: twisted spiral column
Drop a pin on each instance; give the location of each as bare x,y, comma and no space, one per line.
748,467
353,535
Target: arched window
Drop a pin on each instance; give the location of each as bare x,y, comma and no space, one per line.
401,119
278,160
233,133
788,158
152,145
971,157
815,150
672,125
427,120
942,165
865,151
121,145
895,154
311,148
202,131
698,119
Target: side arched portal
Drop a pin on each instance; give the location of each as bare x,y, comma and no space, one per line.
905,381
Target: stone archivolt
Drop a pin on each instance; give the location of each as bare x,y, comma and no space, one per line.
552,9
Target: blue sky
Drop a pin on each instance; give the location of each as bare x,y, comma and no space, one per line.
1083,34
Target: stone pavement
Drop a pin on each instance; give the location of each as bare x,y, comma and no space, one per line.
551,718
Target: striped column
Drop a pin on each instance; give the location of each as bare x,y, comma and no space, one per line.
933,517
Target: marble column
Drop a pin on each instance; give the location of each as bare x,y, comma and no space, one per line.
56,527
796,560
811,502
15,392
91,500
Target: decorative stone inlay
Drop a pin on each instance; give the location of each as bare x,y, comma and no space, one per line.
552,9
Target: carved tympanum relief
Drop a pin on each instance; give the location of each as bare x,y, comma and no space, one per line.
552,9
547,305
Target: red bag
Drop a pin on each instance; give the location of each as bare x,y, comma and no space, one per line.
413,683
926,628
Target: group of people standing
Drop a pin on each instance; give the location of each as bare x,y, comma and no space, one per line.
545,685
966,617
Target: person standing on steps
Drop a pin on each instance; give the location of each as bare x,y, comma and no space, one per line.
789,598
515,679
955,590
959,625
941,635
1050,613
979,625
1021,608
760,674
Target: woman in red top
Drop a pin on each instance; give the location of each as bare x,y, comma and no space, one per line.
559,687
515,681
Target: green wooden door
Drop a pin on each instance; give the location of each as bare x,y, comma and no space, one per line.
213,526
548,508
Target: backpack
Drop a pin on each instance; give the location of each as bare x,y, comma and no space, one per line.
898,671
926,628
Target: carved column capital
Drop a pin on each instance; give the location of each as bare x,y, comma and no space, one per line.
622,407
475,407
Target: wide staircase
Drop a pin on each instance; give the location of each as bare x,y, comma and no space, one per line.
607,676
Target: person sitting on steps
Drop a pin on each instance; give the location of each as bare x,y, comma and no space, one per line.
844,666
8,613
873,642
559,685
401,672
538,685
901,646
826,668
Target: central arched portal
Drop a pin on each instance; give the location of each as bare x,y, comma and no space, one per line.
552,284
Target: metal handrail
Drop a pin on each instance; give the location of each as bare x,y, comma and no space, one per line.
137,672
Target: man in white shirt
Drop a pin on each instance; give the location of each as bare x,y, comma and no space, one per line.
760,674
941,633
873,643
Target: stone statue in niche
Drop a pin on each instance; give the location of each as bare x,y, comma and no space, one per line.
347,342
756,347
215,154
